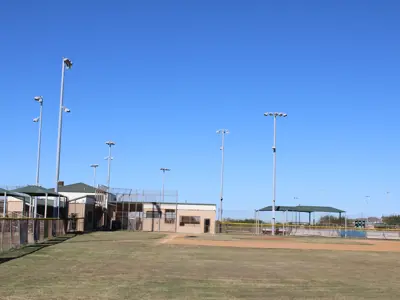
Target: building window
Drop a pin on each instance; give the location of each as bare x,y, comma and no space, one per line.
170,216
189,220
153,214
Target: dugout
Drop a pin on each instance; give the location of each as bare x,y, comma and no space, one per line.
305,209
7,205
44,202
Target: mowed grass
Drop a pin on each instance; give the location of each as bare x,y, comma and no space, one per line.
135,265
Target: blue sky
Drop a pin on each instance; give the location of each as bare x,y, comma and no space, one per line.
160,77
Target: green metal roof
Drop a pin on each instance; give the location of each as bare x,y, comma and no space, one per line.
33,190
279,208
12,194
303,208
329,209
158,203
79,187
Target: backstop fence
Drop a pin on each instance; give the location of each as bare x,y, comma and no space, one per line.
18,232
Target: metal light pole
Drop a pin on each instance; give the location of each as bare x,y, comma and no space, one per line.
163,181
297,215
367,198
275,115
65,63
109,158
222,132
94,166
39,99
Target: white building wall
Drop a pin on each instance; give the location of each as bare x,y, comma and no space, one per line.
83,200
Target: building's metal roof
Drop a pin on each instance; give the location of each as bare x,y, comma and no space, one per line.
304,208
33,190
79,187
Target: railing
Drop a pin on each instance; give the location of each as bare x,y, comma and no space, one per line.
311,230
17,232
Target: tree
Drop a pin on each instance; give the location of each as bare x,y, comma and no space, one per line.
333,220
231,220
391,220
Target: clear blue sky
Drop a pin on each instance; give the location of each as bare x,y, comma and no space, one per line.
160,77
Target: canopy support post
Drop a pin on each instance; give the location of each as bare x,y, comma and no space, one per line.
45,206
5,204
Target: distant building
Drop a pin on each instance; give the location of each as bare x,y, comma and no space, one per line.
191,217
164,217
82,205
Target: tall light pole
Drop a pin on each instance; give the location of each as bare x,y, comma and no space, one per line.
66,63
163,181
39,99
275,115
367,198
94,166
297,198
222,132
109,158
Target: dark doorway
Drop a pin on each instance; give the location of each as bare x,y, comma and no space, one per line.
206,225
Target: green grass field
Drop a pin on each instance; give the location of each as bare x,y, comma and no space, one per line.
134,265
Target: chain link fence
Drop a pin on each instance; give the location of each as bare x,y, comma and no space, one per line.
18,232
358,225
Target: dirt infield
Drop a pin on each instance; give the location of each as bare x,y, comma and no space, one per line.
285,243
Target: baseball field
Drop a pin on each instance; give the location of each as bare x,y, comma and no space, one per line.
137,265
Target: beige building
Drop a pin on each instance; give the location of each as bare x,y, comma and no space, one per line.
81,205
192,217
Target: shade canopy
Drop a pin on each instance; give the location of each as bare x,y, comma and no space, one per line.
13,194
36,191
303,208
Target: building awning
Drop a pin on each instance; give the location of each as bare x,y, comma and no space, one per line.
303,208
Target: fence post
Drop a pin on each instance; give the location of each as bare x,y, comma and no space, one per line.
10,234
2,235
